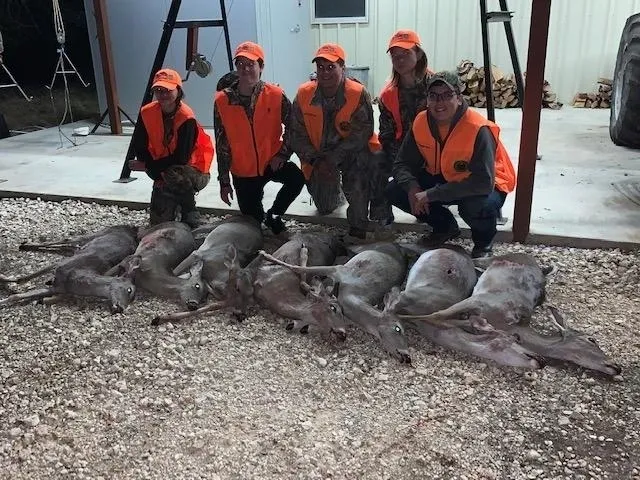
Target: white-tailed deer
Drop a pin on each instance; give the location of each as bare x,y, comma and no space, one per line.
441,278
368,278
279,289
83,274
161,249
243,233
506,295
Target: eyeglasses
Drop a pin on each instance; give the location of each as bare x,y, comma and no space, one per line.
161,91
441,97
400,54
242,64
326,68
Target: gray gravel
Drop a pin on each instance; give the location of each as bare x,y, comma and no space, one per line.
85,394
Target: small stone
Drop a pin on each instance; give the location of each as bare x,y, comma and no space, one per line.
532,456
32,420
42,430
15,432
321,361
562,420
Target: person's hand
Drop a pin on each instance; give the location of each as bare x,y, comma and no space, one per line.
421,202
136,165
226,192
276,163
413,203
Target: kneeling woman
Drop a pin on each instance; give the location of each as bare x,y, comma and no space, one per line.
174,150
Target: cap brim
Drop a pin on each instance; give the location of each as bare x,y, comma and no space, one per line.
327,56
250,56
440,80
163,84
405,45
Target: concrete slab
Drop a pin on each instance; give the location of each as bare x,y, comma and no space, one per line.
576,199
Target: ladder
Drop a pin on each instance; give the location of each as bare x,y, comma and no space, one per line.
504,16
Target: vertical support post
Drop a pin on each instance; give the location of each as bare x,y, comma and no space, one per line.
532,107
223,13
508,30
488,91
104,40
192,45
157,63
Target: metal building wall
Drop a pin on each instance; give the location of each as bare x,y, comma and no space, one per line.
136,27
583,37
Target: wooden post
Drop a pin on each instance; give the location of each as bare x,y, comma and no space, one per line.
104,40
538,36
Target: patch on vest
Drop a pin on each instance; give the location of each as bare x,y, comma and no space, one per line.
460,166
346,126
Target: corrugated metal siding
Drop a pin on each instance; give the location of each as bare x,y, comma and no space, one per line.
583,37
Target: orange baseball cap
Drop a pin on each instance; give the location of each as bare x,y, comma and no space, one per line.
167,78
406,39
249,50
330,51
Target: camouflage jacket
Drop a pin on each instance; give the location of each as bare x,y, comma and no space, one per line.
412,101
223,149
332,143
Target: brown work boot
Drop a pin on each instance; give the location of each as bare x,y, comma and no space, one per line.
437,239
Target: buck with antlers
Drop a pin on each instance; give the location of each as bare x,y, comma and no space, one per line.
84,273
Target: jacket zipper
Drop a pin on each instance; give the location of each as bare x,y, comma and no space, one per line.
255,148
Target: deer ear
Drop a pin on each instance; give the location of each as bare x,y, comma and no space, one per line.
391,298
558,319
332,287
132,265
230,256
196,268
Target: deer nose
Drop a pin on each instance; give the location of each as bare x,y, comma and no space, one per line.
340,335
616,369
116,309
304,330
290,326
404,357
192,305
539,360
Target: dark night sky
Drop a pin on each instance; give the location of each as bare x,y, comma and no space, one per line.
30,41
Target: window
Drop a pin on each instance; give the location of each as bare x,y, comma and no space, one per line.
339,11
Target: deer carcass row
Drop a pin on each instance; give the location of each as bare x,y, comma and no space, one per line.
506,295
161,249
441,278
243,233
83,274
366,279
279,289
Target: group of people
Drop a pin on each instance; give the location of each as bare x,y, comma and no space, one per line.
431,151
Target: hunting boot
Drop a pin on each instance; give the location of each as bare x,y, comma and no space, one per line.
163,207
190,215
275,223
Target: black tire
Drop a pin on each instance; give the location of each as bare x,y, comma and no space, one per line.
624,120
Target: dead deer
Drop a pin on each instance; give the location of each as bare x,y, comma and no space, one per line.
161,249
243,233
506,294
83,274
441,278
369,277
279,289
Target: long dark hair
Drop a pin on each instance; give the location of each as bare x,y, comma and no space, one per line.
420,70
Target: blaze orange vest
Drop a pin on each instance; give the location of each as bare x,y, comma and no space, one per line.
203,150
453,159
390,98
251,153
313,116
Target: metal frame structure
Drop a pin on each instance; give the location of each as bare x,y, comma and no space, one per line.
170,25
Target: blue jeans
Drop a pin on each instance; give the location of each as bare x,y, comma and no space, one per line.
479,212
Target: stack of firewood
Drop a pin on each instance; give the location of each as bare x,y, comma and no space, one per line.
505,91
599,99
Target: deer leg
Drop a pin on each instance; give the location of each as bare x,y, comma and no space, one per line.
329,270
60,248
26,296
29,276
62,245
170,317
455,315
304,259
52,300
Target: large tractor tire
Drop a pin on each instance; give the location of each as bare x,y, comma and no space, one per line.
624,121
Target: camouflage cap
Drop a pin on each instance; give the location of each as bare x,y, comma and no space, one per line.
449,78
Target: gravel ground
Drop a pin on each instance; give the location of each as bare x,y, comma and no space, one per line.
85,394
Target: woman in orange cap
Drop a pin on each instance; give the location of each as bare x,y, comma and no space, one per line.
174,150
399,102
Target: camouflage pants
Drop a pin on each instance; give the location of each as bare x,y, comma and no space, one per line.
335,178
379,173
177,189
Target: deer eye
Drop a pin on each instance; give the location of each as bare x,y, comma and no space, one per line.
333,308
129,290
592,340
397,329
197,286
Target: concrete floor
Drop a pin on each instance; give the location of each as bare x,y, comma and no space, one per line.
576,199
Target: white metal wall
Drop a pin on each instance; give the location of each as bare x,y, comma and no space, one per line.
583,37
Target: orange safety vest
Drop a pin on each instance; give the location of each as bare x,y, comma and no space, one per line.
452,160
313,116
390,98
203,150
251,153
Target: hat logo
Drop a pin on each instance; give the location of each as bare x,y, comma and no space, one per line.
402,36
329,49
460,166
244,46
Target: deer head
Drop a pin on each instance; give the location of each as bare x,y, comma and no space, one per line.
391,331
239,289
326,312
193,289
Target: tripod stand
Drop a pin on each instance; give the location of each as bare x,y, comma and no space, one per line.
104,115
60,67
14,84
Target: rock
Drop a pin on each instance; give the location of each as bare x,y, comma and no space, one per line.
532,456
15,432
563,420
32,420
321,361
